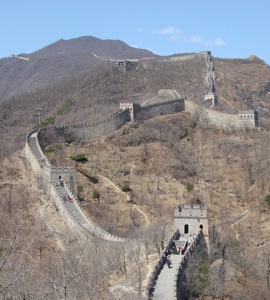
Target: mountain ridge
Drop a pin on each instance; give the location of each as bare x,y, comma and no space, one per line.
157,158
59,60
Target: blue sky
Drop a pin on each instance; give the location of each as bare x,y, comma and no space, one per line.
227,28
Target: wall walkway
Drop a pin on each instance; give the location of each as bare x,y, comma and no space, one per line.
62,195
163,282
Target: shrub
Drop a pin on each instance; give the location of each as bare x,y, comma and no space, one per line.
126,188
96,195
48,121
267,200
48,149
66,107
79,158
189,187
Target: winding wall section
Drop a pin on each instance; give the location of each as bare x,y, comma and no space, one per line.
48,176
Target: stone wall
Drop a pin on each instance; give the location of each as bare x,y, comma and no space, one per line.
48,181
65,214
87,131
197,247
225,120
210,79
159,265
182,57
30,155
163,108
190,219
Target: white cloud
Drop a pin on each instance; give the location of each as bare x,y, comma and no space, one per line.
195,39
216,42
173,32
176,33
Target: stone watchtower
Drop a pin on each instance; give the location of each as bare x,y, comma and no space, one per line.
190,219
210,98
123,65
248,118
133,108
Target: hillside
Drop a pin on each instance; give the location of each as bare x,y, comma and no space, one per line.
158,159
244,84
63,59
95,94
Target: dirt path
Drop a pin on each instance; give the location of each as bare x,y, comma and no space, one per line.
109,182
234,221
143,213
237,220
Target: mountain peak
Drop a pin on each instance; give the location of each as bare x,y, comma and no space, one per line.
59,60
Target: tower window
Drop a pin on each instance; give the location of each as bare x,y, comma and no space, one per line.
186,229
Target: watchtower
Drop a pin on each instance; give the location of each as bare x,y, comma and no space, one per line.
248,118
123,65
212,99
190,219
133,108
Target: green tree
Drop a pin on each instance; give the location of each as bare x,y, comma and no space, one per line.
202,280
79,158
48,121
267,200
126,188
96,195
189,187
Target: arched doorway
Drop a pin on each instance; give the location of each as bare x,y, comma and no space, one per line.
186,229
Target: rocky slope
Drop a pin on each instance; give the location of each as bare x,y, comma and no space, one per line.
157,159
65,58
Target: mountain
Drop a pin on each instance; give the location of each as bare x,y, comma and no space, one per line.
157,158
57,61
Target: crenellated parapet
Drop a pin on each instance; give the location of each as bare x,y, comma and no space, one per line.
248,118
163,103
190,237
88,131
188,219
210,97
124,65
154,109
242,120
59,184
152,280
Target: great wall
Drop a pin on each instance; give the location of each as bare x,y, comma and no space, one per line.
188,219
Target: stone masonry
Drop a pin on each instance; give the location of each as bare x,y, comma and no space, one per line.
188,219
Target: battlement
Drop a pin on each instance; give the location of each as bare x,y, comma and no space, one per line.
246,114
191,218
181,57
123,65
243,119
205,53
128,105
154,109
190,211
162,103
212,98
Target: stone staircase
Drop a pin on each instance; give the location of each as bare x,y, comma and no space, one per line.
66,199
163,281
33,144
